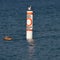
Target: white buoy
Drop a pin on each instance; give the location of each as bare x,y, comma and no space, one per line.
29,24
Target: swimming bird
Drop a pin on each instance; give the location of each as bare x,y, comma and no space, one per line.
7,38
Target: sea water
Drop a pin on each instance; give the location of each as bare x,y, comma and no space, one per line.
46,30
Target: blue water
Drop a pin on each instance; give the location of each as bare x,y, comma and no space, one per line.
46,30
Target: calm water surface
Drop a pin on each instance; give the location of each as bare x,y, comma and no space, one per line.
46,42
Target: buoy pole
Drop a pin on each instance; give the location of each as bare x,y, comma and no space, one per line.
29,24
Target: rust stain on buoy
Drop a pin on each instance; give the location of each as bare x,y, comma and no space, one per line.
7,38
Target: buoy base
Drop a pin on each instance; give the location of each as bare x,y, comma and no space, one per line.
31,42
29,35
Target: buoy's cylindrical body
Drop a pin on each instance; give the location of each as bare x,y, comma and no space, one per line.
29,25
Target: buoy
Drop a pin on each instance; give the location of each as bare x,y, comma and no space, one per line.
7,38
29,24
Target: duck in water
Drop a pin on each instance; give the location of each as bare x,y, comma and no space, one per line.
7,38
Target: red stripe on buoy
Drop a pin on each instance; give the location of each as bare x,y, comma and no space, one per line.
30,13
28,29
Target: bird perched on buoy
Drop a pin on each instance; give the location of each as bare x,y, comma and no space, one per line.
7,38
29,8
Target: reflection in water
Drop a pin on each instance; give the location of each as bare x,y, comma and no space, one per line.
31,49
30,41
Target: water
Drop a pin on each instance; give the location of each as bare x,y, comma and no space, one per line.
46,42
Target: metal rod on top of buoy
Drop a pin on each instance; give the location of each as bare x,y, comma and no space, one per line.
29,24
